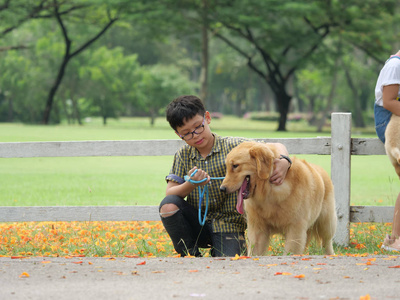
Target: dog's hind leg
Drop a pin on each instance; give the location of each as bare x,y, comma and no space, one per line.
312,233
325,228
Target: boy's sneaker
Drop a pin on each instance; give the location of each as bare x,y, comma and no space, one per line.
390,244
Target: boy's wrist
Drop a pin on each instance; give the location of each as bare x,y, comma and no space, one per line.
287,158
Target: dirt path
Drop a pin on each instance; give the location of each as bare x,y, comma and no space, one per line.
283,277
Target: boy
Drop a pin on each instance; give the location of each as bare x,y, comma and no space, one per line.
205,152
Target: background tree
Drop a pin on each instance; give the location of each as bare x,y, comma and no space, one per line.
156,86
282,37
277,41
110,81
57,11
15,13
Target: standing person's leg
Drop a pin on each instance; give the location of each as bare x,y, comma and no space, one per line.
180,221
396,219
392,242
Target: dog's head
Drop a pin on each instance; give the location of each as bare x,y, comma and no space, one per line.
246,165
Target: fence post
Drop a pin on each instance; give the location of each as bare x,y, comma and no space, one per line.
340,173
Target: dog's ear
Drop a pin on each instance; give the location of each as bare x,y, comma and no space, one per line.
264,160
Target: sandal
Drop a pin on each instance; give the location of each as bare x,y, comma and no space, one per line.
390,244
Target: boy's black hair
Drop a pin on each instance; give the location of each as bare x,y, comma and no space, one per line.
184,108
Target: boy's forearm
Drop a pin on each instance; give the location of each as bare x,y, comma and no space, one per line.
281,148
181,190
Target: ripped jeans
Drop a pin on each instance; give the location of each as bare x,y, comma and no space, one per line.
188,235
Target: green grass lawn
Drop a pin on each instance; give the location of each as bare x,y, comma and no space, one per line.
140,180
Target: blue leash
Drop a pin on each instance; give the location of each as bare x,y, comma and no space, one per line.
202,221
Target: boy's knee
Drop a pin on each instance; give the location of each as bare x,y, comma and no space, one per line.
168,210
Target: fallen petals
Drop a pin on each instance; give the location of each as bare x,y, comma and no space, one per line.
390,258
282,273
368,263
24,275
366,297
237,257
141,263
300,276
394,267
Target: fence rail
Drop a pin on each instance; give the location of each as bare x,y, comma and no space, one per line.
340,146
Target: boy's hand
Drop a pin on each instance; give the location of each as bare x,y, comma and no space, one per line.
200,175
281,166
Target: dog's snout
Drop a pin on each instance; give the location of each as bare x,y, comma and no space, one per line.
222,188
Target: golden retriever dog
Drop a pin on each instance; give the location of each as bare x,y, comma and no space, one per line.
392,142
302,207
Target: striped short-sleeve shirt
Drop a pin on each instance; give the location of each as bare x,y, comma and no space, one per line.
222,207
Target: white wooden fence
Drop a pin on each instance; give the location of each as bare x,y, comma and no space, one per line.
340,146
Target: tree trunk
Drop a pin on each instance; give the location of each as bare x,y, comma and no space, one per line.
152,117
56,84
64,102
77,113
282,100
328,106
330,97
358,118
10,117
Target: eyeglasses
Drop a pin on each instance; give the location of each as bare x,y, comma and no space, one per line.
190,135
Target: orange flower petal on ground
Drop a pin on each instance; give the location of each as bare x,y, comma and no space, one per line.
237,257
24,275
283,273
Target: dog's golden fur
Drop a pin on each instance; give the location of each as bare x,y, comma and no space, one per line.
301,208
392,142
